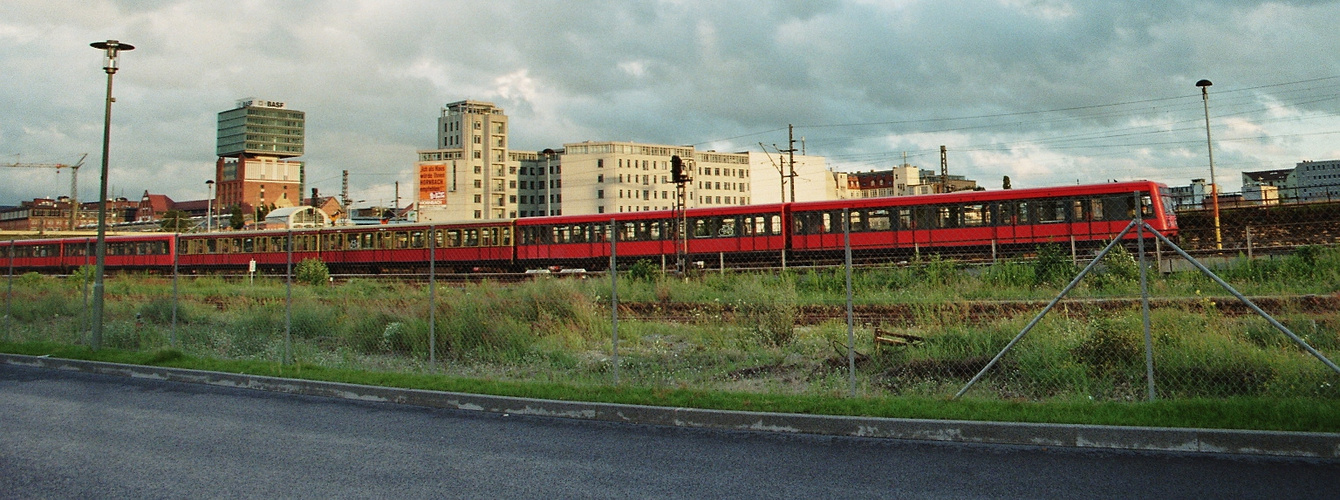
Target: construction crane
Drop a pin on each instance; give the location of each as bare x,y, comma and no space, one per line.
74,182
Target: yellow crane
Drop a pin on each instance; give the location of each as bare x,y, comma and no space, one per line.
74,182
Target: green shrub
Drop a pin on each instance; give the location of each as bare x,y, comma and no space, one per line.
644,270
312,272
1053,267
1109,345
768,306
158,310
1010,273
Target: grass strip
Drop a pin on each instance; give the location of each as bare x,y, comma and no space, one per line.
1298,414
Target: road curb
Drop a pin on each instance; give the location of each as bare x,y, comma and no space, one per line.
1246,442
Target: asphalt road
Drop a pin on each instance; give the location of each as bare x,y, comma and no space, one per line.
77,435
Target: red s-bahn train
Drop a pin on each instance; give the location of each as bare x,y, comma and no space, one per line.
788,233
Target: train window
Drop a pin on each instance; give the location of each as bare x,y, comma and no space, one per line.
1021,212
400,240
946,217
776,225
628,232
1078,212
560,234
439,238
453,238
975,215
905,220
211,245
490,237
856,221
1118,207
701,229
1095,208
470,237
826,223
727,228
1146,206
656,230
248,245
416,239
1048,212
878,220
507,236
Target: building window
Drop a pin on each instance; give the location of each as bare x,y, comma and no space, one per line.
479,214
600,194
600,178
479,198
600,209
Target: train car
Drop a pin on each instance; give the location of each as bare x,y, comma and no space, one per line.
152,251
738,234
582,241
41,255
458,247
1020,218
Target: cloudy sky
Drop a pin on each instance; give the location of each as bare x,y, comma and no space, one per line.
1045,91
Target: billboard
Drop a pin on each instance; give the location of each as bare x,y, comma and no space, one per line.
432,184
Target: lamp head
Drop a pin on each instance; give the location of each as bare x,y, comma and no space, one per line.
113,49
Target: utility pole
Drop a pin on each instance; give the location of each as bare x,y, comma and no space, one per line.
791,148
396,216
944,171
344,189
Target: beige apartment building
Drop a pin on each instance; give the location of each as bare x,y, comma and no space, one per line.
473,175
469,176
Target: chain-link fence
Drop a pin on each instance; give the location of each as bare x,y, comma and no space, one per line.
918,322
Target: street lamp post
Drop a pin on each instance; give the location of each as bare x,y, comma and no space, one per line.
209,205
112,48
1214,185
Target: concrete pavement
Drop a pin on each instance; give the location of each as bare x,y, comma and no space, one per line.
1298,444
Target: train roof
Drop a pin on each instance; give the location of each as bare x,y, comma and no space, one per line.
1110,188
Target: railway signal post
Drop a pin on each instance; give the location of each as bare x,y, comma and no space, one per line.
681,178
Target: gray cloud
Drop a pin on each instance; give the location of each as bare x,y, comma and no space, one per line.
1046,91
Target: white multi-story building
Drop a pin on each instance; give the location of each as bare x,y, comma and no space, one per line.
1316,181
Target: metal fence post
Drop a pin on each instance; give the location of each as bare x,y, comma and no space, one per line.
614,296
432,297
288,302
851,332
172,339
1144,302
9,292
88,318
1249,242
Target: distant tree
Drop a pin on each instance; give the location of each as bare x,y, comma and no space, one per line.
262,211
1006,183
176,221
237,220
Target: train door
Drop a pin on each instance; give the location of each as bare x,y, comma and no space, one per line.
924,220
1013,224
